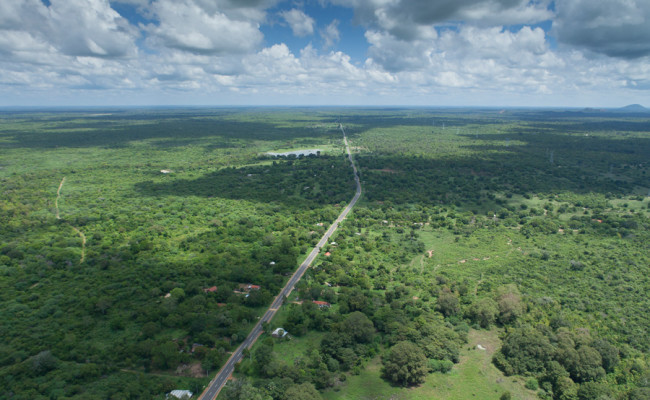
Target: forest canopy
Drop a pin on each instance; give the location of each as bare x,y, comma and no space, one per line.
140,247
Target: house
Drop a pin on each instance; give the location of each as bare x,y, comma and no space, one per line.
179,394
246,287
212,289
279,333
321,304
328,254
165,171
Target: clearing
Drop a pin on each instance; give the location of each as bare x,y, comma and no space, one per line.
474,377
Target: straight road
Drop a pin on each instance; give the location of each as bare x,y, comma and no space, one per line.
213,389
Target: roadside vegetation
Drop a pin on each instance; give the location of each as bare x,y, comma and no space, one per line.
493,255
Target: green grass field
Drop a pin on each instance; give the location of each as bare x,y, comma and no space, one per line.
474,377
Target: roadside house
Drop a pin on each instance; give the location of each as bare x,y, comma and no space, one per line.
247,287
212,289
279,333
179,394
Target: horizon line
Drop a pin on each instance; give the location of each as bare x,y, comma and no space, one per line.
351,106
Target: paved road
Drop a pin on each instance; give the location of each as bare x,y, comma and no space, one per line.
219,381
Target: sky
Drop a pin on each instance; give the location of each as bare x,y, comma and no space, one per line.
499,53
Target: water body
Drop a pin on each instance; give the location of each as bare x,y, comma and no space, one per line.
297,153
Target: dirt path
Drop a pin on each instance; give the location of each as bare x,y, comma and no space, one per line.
58,194
58,216
478,284
83,244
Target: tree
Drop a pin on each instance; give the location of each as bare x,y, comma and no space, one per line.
554,372
211,360
353,299
103,304
642,393
594,391
150,329
405,365
527,350
609,354
588,366
510,307
565,389
484,312
177,293
241,389
304,391
263,358
297,322
165,356
359,327
44,362
448,303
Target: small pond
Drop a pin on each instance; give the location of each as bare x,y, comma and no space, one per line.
297,153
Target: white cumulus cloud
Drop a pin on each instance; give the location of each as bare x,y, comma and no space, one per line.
301,24
331,34
187,26
415,52
73,27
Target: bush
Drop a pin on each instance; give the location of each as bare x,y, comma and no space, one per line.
443,366
532,384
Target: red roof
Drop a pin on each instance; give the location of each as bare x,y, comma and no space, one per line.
210,289
328,254
248,286
321,303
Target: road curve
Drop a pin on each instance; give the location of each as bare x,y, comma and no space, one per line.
213,389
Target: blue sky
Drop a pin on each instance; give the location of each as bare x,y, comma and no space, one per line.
325,52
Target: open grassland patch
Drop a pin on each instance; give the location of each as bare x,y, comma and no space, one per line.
474,377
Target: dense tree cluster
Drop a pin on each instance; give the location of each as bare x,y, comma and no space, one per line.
560,359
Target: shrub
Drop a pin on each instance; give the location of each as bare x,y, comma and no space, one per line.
532,384
443,366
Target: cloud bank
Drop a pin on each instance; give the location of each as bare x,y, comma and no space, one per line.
456,52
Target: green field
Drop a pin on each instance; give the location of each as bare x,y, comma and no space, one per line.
473,377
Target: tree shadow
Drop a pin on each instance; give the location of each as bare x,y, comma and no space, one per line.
164,129
520,161
307,182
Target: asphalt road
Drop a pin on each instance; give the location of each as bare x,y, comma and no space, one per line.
213,389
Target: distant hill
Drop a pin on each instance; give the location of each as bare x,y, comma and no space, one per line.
629,109
635,108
